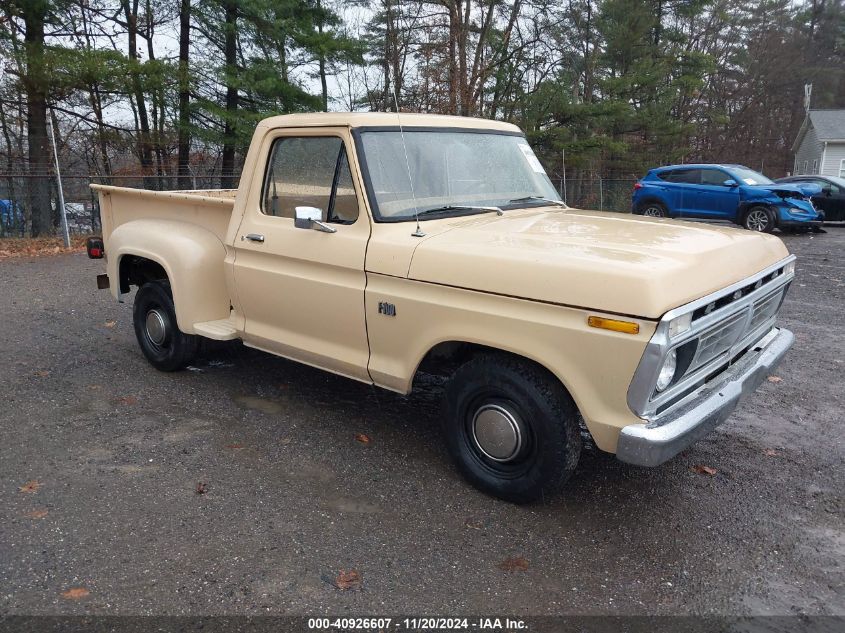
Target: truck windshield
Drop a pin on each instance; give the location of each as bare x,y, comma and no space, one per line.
453,172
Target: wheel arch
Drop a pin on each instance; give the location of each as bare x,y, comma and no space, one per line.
190,258
649,199
746,205
447,354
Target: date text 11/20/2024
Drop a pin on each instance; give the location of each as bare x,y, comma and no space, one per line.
417,624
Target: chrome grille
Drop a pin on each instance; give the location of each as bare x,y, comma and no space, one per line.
764,309
718,340
723,326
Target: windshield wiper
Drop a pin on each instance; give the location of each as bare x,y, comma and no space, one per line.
459,207
538,199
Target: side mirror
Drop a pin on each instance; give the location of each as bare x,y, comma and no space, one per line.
730,182
311,218
827,191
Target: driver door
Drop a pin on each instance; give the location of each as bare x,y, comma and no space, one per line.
301,290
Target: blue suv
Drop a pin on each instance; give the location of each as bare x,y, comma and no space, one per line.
726,192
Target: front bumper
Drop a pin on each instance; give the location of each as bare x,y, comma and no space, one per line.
800,223
651,444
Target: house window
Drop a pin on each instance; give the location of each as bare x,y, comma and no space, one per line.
804,171
815,166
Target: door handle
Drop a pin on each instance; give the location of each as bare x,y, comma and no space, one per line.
253,237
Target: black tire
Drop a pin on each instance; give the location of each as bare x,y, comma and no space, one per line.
165,346
503,385
653,209
759,218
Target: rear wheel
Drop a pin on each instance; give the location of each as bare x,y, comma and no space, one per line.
166,347
511,428
760,219
653,210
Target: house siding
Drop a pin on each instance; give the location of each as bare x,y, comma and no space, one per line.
809,150
833,158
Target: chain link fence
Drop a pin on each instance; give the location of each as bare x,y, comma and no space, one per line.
83,214
596,192
81,207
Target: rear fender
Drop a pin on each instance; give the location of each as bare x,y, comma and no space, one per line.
192,257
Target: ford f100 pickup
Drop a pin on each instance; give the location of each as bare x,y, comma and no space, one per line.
377,248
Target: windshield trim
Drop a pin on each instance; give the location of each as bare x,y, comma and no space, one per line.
365,170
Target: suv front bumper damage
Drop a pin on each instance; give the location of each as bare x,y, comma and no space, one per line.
652,443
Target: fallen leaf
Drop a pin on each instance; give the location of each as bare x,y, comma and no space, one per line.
364,439
110,323
705,470
770,452
127,400
235,447
31,486
29,247
517,563
36,514
285,441
202,488
42,373
95,387
75,593
348,580
775,379
473,524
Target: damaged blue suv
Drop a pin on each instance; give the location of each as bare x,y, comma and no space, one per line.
726,192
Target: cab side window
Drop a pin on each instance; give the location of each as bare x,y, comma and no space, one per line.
309,171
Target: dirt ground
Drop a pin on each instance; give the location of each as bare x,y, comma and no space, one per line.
102,459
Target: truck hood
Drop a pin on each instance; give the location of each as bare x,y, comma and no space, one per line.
606,262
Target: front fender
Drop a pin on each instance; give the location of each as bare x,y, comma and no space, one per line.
192,257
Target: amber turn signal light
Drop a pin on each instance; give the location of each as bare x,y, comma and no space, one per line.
612,324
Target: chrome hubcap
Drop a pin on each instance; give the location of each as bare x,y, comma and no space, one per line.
757,220
653,212
156,328
497,432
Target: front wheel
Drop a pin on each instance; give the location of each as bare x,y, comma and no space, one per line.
760,219
511,428
166,347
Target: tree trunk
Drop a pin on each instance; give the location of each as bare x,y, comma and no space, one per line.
184,140
143,128
35,85
321,60
230,53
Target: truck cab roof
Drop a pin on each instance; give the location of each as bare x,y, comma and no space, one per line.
386,119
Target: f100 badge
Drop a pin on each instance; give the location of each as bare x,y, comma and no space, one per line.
387,309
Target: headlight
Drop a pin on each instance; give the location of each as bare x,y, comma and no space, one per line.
667,372
789,268
680,324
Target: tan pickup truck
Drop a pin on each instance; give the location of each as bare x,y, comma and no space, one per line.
376,249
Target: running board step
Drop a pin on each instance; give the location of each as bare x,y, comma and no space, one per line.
222,330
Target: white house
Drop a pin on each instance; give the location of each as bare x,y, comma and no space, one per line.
820,145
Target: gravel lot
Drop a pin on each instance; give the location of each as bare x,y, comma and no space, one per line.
101,457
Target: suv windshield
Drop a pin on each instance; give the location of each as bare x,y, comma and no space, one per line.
750,177
452,171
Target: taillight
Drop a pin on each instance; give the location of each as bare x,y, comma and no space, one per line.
95,247
638,185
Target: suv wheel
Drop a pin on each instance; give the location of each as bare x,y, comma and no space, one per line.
166,347
760,219
511,428
653,210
